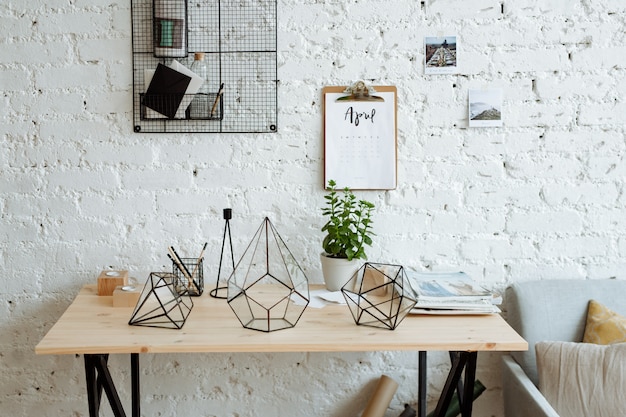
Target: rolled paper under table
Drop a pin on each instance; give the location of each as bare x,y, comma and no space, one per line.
381,398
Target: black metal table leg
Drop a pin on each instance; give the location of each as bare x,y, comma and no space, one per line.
106,382
470,378
460,361
421,389
136,395
99,378
459,385
94,389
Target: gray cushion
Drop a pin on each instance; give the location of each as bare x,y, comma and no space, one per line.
556,310
583,379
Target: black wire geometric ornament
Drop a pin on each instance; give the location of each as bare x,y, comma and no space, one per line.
379,295
267,260
221,288
161,304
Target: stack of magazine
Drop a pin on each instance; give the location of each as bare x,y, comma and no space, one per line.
450,293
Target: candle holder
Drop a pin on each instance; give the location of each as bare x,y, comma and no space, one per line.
221,287
161,304
267,260
379,295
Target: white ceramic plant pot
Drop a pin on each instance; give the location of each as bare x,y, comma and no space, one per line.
337,271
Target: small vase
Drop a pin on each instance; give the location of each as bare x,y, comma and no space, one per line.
337,271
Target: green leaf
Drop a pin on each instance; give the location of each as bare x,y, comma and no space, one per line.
348,226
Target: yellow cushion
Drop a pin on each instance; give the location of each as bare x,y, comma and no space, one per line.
604,326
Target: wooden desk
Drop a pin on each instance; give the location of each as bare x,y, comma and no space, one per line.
93,327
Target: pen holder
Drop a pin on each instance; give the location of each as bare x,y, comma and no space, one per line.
189,280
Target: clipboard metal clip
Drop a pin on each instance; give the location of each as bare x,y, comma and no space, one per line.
360,92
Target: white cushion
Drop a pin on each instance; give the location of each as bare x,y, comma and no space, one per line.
583,379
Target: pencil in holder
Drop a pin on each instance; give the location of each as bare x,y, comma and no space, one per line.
189,276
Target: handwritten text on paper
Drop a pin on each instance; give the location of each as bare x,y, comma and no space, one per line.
355,117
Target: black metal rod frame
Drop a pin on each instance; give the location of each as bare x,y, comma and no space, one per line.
228,214
460,361
98,378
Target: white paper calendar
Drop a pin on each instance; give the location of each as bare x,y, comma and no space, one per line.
360,142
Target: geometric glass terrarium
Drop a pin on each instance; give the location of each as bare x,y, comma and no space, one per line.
268,290
379,295
161,304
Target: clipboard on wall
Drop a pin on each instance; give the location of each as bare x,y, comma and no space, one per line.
360,138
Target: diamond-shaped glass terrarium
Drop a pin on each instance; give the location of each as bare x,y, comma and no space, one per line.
379,295
161,304
268,290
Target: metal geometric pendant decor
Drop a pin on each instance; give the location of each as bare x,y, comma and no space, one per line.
260,306
379,295
221,287
161,304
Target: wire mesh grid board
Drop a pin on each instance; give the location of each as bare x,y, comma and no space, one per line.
238,40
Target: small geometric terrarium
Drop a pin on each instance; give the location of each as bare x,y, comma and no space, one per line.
379,295
268,290
161,304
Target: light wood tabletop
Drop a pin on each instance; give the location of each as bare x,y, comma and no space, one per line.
91,325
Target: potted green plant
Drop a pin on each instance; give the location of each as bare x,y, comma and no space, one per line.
348,231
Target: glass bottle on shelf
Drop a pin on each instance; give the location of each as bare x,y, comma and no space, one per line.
200,107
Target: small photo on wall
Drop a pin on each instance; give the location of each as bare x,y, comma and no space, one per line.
485,108
440,55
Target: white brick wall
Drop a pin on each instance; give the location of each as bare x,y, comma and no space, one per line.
541,197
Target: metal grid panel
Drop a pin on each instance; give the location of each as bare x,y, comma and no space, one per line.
238,38
248,26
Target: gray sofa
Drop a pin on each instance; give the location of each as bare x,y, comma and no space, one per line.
548,310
